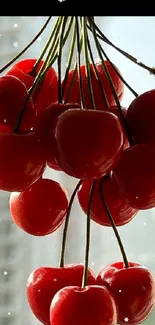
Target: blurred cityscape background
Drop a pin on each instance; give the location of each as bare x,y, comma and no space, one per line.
20,253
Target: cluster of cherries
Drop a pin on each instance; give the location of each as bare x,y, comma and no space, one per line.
88,144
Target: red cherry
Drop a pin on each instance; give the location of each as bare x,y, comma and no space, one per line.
120,210
109,270
6,129
133,289
89,142
115,110
48,91
41,209
22,161
44,128
97,93
91,305
44,282
135,175
13,95
140,118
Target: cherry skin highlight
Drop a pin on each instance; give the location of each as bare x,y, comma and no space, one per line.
133,289
13,96
91,305
89,142
44,282
41,209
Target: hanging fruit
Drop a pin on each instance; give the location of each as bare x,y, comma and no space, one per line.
75,123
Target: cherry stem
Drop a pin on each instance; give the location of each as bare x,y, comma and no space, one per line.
17,127
85,273
74,74
127,55
71,84
53,42
97,75
55,29
53,55
115,69
126,263
112,86
35,83
117,102
46,66
78,61
70,57
64,237
27,47
59,58
88,74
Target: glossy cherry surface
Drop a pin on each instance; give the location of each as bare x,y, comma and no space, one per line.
47,92
120,210
135,175
13,96
91,305
89,142
115,110
41,209
133,289
140,118
44,128
44,282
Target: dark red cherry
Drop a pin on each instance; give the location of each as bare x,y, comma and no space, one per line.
13,96
97,93
47,92
115,110
140,118
89,142
22,161
44,128
135,175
